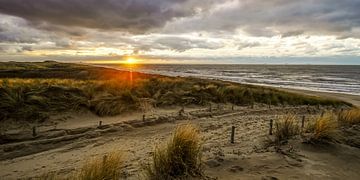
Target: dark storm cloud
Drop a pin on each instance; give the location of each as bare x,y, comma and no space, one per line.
280,17
134,16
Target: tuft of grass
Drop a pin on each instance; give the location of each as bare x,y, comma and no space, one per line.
107,167
351,116
325,128
180,158
285,128
99,168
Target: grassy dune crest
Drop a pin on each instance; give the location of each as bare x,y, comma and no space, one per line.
180,158
34,91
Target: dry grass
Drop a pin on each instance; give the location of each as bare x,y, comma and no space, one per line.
107,167
351,116
180,158
102,168
286,127
49,176
325,128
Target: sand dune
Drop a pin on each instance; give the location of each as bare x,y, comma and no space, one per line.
63,150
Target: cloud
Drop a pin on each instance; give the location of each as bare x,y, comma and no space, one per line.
181,44
243,45
277,17
192,29
135,16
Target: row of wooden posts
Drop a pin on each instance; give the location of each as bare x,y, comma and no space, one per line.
232,136
182,110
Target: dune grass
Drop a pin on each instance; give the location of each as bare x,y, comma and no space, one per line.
180,158
350,117
324,128
285,127
35,91
106,167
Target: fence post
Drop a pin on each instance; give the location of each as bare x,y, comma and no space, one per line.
232,134
143,117
271,126
210,108
100,123
232,107
34,131
182,110
302,122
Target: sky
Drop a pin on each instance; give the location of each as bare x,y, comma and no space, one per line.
181,31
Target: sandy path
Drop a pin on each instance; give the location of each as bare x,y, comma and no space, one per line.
246,158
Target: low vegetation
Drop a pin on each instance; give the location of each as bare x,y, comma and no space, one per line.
285,128
32,91
324,128
350,117
180,158
321,128
107,167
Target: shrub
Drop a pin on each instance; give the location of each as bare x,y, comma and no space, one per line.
102,168
180,158
324,128
351,116
285,128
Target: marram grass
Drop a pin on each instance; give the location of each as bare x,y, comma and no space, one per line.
286,127
351,116
180,158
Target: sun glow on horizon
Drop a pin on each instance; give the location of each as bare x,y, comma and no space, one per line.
131,60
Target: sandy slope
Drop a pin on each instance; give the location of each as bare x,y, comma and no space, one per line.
248,158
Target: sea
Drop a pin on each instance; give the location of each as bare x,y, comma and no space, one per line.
343,79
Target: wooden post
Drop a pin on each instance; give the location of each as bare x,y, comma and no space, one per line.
322,113
143,117
232,107
210,109
232,134
271,126
34,131
302,122
252,105
182,110
100,123
269,104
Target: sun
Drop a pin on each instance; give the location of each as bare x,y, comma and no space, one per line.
131,60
